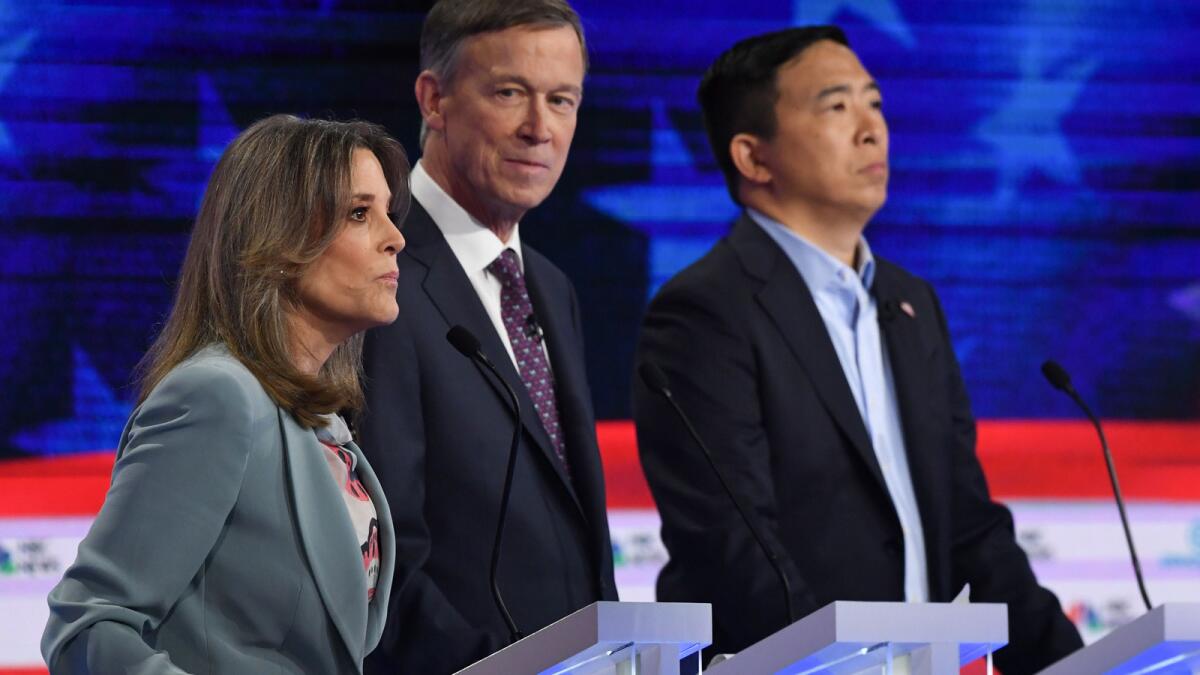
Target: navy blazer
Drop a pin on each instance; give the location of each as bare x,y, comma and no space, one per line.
748,357
438,429
223,546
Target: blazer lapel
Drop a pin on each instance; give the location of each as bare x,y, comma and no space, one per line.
568,373
789,303
327,534
909,355
451,292
377,609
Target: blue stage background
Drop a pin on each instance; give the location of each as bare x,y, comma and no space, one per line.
1046,178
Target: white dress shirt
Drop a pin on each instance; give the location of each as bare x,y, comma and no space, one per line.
850,315
474,245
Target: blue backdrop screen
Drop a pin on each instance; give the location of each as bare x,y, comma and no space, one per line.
1045,178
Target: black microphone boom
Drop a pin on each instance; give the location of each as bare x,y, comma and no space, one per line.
468,345
657,381
1061,381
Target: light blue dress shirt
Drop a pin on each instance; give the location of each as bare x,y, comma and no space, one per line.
851,319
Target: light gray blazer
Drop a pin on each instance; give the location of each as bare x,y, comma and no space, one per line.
223,545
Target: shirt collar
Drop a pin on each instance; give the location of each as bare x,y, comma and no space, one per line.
819,269
335,430
474,245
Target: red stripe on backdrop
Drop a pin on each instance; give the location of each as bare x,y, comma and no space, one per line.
54,486
1023,459
1154,460
1042,459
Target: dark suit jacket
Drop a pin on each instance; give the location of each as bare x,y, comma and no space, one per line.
748,357
439,428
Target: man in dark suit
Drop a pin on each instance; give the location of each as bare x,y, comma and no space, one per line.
501,83
822,377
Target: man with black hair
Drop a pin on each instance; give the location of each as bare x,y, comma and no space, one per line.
822,377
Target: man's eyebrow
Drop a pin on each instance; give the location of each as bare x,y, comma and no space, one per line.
511,77
845,89
571,88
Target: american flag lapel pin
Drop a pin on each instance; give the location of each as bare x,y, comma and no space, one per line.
908,309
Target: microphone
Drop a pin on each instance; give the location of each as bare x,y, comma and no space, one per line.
657,381
891,309
1060,380
468,345
533,329
888,310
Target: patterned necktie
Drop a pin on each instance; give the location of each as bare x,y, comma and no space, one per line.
526,336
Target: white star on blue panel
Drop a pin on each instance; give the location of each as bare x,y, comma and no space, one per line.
1186,301
97,416
884,14
681,208
217,127
11,51
1026,131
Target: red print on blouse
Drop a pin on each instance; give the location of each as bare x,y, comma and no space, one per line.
353,485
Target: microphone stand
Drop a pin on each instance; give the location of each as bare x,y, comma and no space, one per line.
1061,381
468,345
657,381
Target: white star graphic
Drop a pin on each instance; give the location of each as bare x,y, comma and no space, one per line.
1186,301
682,209
1026,131
216,128
884,14
96,421
11,51
670,158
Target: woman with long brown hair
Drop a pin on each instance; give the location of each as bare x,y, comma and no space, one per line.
243,531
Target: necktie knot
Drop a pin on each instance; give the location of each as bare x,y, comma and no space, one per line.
506,267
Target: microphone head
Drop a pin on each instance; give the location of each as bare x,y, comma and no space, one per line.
1057,376
464,341
888,309
654,378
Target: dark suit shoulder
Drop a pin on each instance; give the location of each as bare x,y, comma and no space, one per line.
711,297
714,276
895,285
546,271
893,275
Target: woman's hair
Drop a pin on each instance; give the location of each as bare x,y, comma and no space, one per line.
276,200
